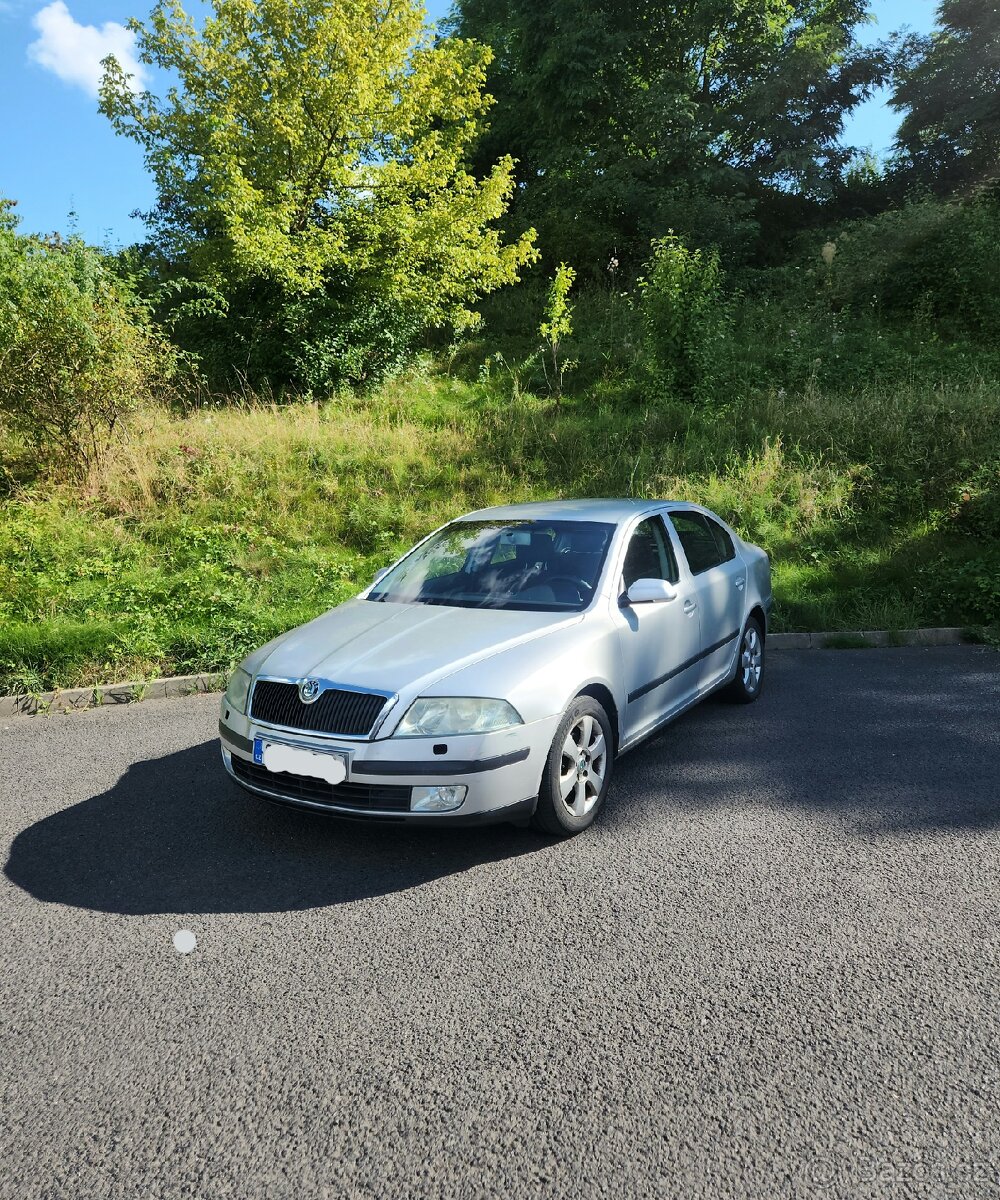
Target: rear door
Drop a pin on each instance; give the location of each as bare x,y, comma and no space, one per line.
658,640
719,578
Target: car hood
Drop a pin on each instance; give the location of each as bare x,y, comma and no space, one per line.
397,648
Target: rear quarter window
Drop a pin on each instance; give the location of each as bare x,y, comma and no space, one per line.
722,539
703,549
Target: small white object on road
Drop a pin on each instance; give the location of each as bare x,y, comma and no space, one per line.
184,941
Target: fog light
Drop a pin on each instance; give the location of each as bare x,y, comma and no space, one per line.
437,799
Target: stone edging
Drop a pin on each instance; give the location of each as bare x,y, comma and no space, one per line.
77,699
858,639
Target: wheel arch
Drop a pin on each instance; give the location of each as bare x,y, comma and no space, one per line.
604,697
758,612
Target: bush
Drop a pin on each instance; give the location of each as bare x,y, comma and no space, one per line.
964,591
77,349
975,503
931,261
556,325
253,334
682,317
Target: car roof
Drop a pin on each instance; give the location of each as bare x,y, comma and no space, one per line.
570,510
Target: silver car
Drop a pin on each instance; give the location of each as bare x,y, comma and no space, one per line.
501,666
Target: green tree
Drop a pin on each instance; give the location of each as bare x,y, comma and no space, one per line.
319,145
557,325
948,87
629,118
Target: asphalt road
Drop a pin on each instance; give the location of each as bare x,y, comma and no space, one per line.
770,971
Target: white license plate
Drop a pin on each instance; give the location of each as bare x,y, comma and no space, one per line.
296,760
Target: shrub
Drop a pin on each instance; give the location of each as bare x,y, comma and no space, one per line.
682,317
556,325
254,334
964,591
931,260
975,506
77,349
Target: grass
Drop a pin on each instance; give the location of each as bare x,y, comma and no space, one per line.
204,534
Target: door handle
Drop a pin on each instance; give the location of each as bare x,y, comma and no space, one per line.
689,606
740,583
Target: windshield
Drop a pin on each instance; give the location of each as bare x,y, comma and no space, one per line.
551,566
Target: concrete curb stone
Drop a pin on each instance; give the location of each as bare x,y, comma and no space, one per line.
71,700
859,638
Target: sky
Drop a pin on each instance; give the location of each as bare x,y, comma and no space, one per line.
67,169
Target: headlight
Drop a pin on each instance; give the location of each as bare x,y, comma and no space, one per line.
447,716
238,690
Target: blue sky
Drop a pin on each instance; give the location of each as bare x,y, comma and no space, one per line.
58,154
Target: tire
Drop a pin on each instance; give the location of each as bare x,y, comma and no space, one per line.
749,679
586,771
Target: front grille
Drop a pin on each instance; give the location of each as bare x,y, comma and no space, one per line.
350,714
360,796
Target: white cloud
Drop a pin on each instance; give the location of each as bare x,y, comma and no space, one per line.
74,52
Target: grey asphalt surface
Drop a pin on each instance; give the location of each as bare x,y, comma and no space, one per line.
771,970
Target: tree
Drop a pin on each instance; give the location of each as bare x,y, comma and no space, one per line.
77,350
626,119
557,323
321,146
948,87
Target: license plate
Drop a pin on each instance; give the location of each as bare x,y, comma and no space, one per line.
297,760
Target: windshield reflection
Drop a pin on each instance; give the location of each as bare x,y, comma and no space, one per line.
548,566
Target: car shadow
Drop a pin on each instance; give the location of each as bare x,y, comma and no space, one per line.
900,743
879,744
176,835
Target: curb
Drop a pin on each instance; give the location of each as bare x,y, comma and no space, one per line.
77,699
862,638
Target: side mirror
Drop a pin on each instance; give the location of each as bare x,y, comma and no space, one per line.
379,575
650,591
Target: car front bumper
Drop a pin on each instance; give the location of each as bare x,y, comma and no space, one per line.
501,772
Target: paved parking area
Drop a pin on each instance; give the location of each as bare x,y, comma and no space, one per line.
771,970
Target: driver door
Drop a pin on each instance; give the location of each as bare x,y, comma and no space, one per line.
661,641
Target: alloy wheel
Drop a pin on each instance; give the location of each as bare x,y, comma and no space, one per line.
583,765
752,659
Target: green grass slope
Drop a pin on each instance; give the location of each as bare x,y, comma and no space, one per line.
204,534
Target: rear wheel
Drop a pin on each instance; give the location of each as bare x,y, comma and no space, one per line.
577,771
745,687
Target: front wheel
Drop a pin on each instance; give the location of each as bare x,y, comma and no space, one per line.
577,771
745,687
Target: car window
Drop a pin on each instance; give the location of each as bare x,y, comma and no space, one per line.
701,547
722,539
649,554
552,566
